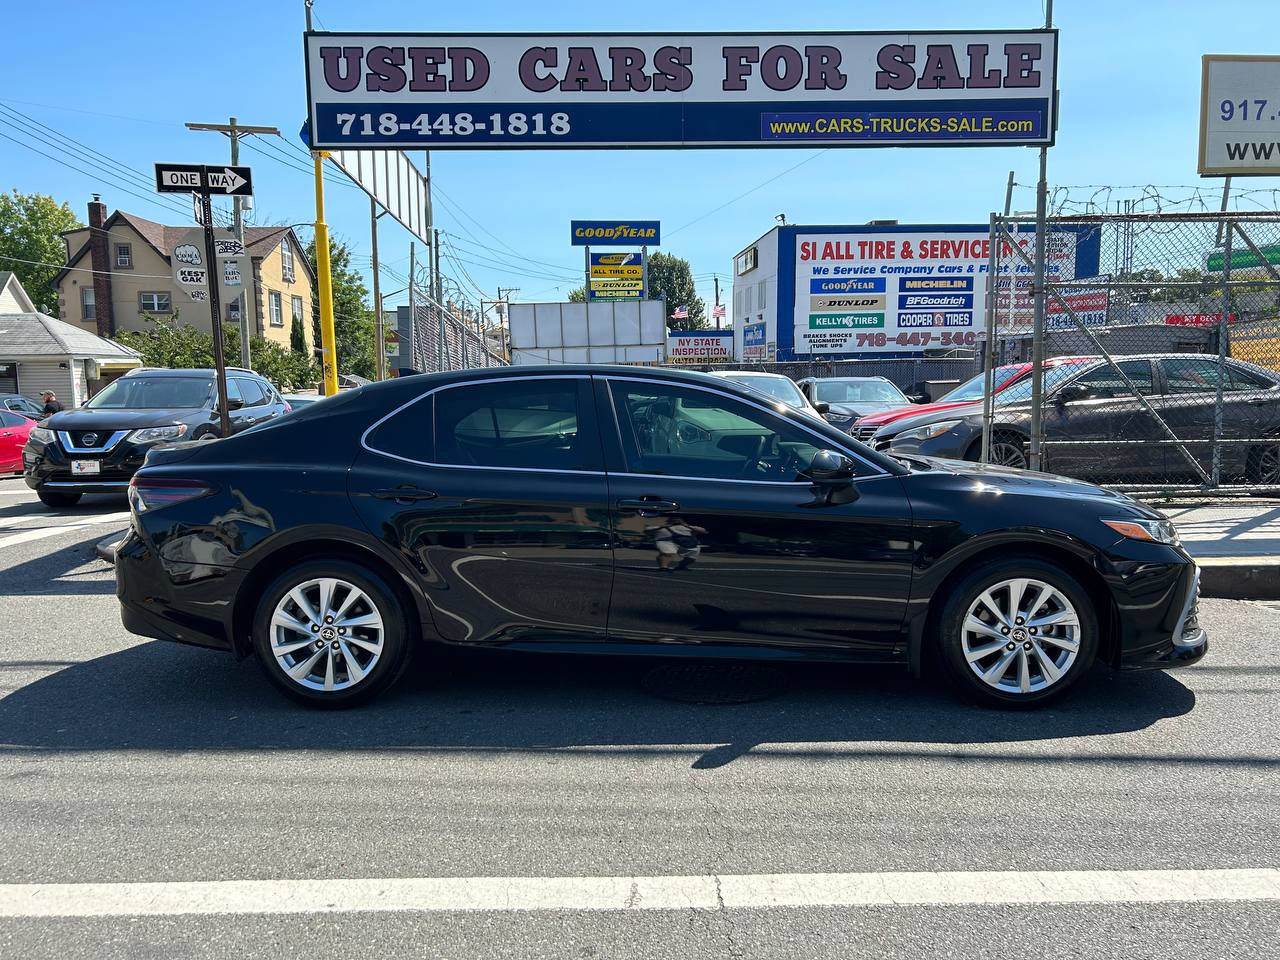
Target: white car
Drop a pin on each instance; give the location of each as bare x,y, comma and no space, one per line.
776,387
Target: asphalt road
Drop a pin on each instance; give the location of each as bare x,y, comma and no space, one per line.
131,762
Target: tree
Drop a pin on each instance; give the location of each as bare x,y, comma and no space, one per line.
352,318
578,295
168,343
31,225
671,277
297,337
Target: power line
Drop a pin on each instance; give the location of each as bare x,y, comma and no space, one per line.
746,193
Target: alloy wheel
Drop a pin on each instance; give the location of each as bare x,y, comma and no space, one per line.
1021,636
1269,465
1008,453
326,634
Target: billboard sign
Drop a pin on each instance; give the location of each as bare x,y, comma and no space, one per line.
700,346
1239,116
753,341
615,233
537,91
1089,307
391,178
615,276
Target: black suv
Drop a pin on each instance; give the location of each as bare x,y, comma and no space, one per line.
96,448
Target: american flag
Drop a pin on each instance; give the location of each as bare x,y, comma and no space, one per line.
681,313
717,312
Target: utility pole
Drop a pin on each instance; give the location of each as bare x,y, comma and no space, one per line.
435,266
379,336
413,313
716,277
234,132
324,270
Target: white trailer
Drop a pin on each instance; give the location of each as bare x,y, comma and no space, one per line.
600,332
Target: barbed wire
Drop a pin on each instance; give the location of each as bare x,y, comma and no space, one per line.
1099,198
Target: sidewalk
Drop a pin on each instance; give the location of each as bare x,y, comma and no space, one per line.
1237,544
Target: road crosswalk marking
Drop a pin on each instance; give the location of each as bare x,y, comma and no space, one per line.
754,891
40,533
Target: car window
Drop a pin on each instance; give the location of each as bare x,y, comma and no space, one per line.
780,388
1054,376
1201,375
8,419
233,389
858,391
1242,379
669,430
250,390
1104,381
971,389
526,423
153,393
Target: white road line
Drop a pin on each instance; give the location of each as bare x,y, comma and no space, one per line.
424,894
26,536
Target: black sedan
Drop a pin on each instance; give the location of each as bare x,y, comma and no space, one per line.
1096,428
638,511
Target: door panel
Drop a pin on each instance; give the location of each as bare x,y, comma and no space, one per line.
1093,425
504,554
706,555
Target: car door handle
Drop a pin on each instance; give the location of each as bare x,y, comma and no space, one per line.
649,506
404,494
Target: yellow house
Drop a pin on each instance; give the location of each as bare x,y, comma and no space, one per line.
118,271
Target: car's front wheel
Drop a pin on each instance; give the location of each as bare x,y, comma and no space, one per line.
57,498
330,633
1018,632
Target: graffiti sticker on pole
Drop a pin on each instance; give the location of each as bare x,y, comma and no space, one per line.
539,91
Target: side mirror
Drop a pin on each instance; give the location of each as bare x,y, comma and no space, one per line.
234,403
1071,393
822,407
918,397
828,466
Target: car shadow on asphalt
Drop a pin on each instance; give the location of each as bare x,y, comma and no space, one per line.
52,573
166,697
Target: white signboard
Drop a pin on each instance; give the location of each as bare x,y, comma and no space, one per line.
1239,116
391,178
538,91
700,346
233,268
888,292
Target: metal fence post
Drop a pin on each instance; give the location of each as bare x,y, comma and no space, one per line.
1216,472
989,348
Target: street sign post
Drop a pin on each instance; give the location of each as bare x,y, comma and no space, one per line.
223,257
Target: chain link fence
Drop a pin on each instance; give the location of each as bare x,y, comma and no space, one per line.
1162,370
924,376
450,336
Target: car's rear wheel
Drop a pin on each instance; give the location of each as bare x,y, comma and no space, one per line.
58,498
1018,632
1264,465
1007,450
330,633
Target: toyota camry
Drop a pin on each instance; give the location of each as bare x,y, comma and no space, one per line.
635,511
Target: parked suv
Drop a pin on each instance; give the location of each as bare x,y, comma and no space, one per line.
96,448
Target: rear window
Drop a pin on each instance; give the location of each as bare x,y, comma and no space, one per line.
153,393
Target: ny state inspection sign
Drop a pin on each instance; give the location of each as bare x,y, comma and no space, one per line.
440,91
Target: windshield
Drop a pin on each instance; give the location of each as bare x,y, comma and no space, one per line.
780,388
972,389
1020,392
153,393
858,390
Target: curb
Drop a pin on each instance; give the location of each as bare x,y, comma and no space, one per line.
1240,578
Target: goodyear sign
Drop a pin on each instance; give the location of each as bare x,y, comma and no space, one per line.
615,233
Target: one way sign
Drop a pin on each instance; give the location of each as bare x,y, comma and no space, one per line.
200,178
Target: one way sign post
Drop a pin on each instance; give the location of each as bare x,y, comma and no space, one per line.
204,180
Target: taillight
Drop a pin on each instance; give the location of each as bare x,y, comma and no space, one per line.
150,493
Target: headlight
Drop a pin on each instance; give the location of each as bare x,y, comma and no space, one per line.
929,432
43,434
1153,531
156,434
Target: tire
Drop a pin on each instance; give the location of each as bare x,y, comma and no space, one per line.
1263,466
56,498
323,675
1004,446
1069,644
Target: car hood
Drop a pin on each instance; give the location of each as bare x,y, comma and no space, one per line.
88,419
1029,482
898,412
863,408
939,412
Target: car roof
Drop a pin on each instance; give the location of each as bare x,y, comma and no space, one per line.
189,372
750,373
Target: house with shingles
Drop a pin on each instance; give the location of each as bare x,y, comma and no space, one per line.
119,271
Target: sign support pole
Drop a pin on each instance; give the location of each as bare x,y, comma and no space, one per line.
379,337
586,268
324,276
1038,294
215,311
644,273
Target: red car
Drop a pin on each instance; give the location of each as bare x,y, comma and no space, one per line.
14,429
968,392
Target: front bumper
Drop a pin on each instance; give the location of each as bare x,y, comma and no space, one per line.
47,465
1186,644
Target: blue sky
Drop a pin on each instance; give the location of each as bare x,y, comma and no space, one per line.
122,78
